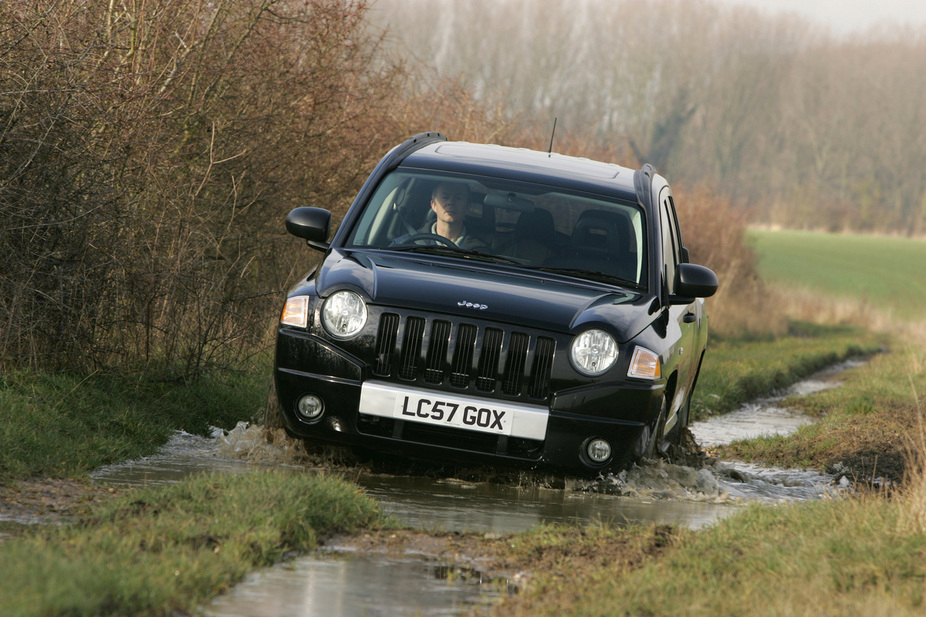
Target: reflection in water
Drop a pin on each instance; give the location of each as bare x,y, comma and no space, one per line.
347,585
487,508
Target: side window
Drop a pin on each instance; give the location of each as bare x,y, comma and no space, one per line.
671,243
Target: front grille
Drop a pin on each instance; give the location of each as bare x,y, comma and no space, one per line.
464,356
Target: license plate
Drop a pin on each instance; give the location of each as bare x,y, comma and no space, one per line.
442,409
433,410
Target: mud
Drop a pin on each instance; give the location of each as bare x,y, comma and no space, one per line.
49,501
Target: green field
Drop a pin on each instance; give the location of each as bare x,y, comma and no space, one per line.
886,272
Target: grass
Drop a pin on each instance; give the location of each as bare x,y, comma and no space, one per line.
865,428
739,370
67,425
166,551
823,558
885,272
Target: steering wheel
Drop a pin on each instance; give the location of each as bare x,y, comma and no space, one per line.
412,239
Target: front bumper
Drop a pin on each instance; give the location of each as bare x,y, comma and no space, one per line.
545,434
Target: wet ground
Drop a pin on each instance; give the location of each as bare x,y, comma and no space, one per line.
408,583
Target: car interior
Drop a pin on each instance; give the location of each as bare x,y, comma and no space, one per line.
543,230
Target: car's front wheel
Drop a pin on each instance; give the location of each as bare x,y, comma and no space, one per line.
652,439
677,433
674,437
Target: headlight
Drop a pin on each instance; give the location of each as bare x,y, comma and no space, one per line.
644,364
344,314
296,312
593,352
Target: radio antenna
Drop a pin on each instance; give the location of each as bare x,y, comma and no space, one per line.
550,151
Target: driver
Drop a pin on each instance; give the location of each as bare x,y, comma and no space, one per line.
450,203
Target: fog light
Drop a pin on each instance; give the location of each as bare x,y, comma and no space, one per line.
598,450
310,407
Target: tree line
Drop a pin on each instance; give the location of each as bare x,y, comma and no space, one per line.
804,128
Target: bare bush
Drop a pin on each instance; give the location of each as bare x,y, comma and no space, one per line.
149,152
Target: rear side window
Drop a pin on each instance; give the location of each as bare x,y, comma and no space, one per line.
671,242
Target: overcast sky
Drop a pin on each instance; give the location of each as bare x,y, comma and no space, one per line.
845,16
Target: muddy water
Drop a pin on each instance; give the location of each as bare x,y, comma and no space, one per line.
654,493
354,584
326,585
766,416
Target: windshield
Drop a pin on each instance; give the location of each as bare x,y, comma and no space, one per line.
516,223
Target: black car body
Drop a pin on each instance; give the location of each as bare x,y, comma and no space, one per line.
570,339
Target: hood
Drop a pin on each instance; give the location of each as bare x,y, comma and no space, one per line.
483,291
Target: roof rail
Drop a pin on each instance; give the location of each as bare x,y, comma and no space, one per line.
395,156
643,182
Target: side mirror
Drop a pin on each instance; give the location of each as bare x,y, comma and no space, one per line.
693,281
311,224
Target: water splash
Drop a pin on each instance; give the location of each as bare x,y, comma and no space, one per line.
260,445
657,479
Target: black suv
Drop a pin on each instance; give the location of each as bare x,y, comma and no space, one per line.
482,304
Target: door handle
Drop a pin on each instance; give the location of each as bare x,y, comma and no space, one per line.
689,318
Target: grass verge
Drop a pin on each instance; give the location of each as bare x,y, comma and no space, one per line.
167,550
61,425
738,370
846,558
864,428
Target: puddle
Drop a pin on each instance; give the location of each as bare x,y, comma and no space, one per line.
765,416
488,508
655,493
182,456
241,450
327,585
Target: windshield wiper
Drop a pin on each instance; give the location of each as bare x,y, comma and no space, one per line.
436,249
602,277
433,249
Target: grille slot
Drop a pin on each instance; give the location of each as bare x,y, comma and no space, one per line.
437,351
514,367
411,348
385,343
543,366
464,356
488,359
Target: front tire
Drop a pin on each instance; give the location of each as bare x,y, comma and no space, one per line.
674,437
652,438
